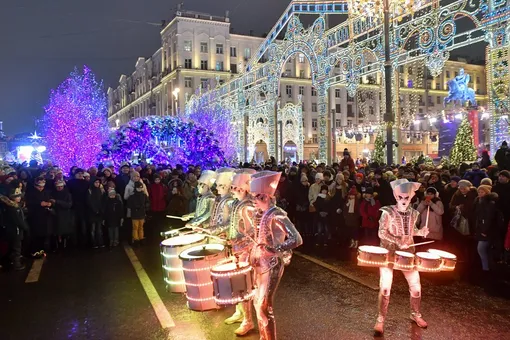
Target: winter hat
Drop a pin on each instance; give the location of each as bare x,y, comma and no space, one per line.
455,179
359,175
504,143
486,181
346,152
369,190
107,169
353,191
78,171
432,190
40,182
486,188
319,176
85,174
138,185
112,192
505,173
156,176
465,183
324,187
60,183
15,192
134,173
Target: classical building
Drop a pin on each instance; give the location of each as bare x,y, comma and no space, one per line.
200,51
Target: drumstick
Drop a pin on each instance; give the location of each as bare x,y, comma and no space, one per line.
421,243
427,220
176,217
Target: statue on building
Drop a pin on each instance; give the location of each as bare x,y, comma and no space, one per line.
458,90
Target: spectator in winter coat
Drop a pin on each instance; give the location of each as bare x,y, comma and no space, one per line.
157,194
359,183
130,188
383,189
369,211
347,163
328,180
78,188
351,214
485,211
431,211
138,203
63,219
39,218
178,205
122,180
485,162
113,215
322,204
476,175
502,188
502,157
15,226
190,192
95,213
315,188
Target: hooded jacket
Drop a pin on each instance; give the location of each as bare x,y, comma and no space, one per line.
435,222
13,218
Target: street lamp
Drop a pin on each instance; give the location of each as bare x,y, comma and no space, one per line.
175,92
374,9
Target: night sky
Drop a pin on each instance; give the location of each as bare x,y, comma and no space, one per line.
42,41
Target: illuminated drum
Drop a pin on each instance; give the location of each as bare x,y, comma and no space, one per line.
232,282
197,263
449,260
403,261
428,262
372,256
172,264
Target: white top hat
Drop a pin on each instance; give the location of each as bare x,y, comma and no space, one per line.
225,176
242,180
246,171
265,182
404,186
207,177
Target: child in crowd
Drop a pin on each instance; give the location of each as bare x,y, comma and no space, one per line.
322,204
113,216
352,216
369,211
138,203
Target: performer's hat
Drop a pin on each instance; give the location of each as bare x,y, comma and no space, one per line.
225,176
265,182
207,177
403,186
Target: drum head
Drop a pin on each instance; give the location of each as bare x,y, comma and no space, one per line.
201,251
404,253
226,267
183,240
373,249
443,254
429,256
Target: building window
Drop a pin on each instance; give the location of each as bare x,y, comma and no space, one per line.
187,45
410,71
203,64
187,63
338,108
302,74
314,122
247,53
337,93
314,107
219,66
204,82
338,123
187,82
447,74
303,107
203,47
233,68
429,99
438,86
302,90
478,80
371,110
456,74
350,113
301,58
233,52
219,48
288,90
350,99
314,92
438,100
314,138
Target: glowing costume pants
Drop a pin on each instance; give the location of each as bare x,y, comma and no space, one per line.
385,282
267,283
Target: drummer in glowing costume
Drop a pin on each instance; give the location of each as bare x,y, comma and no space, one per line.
220,215
241,229
205,200
275,237
397,226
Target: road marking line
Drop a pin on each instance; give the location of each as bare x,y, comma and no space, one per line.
338,271
35,271
164,317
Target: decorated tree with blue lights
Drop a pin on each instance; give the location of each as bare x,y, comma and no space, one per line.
75,123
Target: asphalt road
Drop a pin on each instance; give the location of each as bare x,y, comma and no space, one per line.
96,294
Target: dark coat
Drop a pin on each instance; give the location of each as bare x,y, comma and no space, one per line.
485,217
94,204
384,193
475,176
178,205
468,205
502,157
503,201
113,211
352,219
121,181
13,219
139,204
158,195
64,220
79,190
39,218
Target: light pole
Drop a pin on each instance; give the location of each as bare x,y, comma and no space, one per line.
372,9
175,92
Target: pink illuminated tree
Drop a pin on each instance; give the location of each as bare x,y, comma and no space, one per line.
75,123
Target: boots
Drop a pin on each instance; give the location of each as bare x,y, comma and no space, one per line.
17,265
415,312
247,324
384,301
238,316
267,332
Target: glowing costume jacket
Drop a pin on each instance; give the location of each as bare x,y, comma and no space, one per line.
241,225
274,231
204,208
220,215
396,229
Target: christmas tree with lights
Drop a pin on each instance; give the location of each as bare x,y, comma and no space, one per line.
75,123
463,149
379,146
